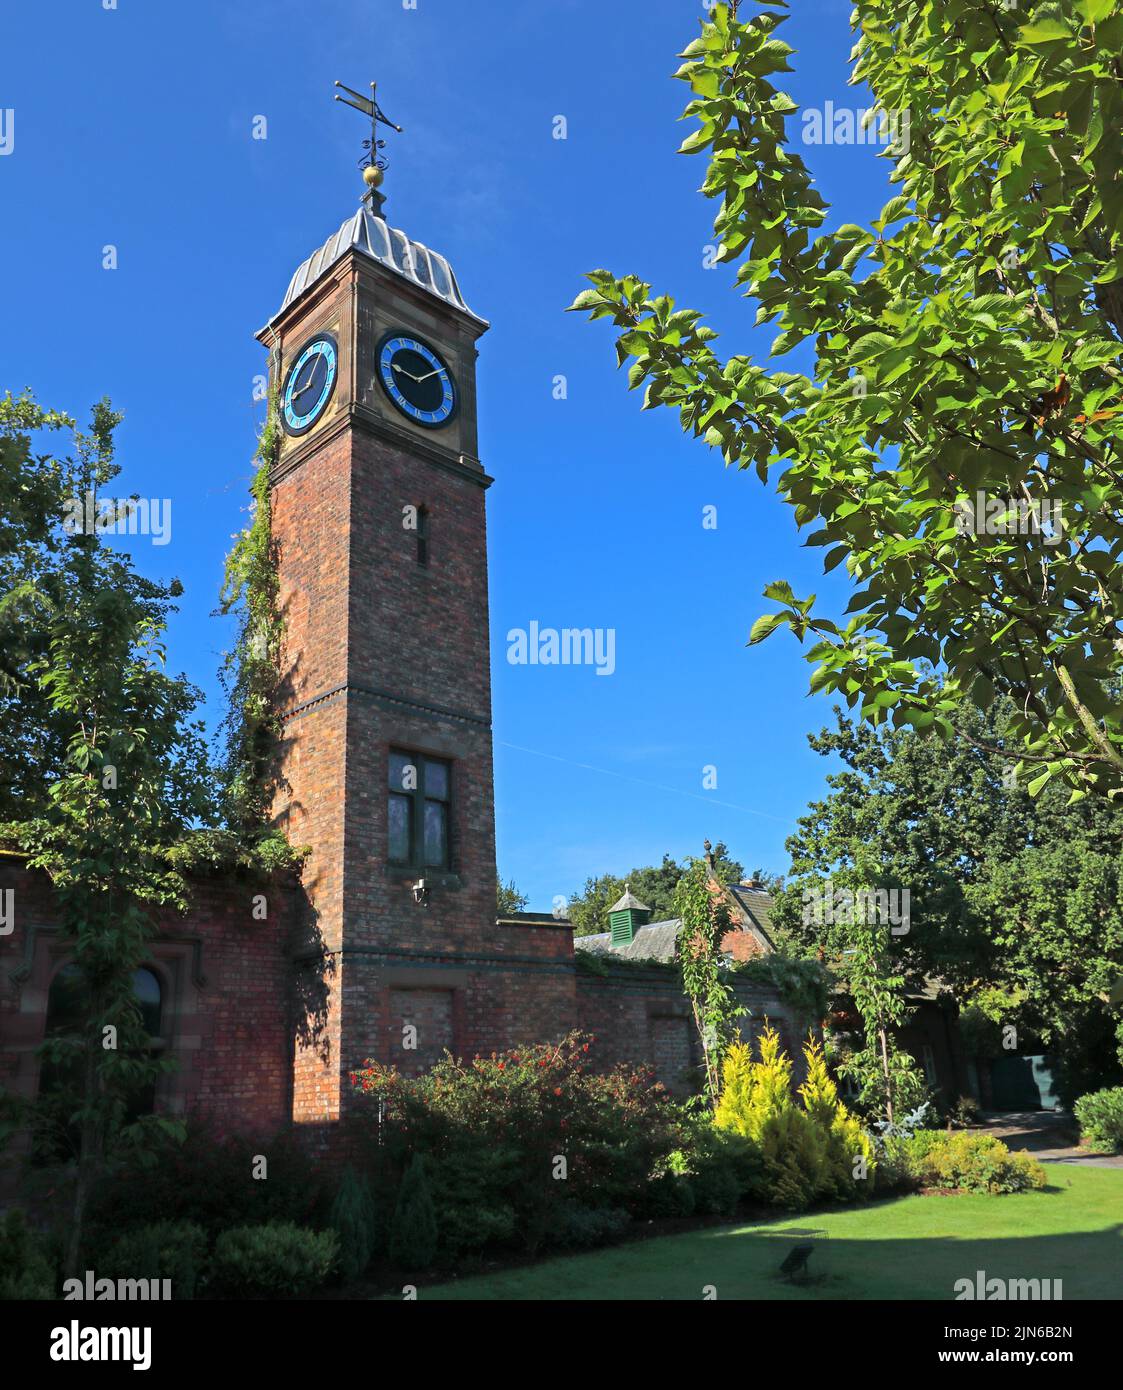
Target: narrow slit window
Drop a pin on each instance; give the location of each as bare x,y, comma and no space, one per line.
422,536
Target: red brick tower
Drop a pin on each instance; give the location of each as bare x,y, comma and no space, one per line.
378,518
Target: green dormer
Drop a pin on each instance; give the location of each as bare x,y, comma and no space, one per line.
625,916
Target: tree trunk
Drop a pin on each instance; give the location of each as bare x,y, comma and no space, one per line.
888,1079
89,1156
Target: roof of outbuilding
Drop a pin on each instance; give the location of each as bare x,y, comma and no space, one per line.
757,907
628,900
656,941
373,237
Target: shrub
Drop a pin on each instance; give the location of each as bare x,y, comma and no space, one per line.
756,1103
843,1139
279,1260
175,1250
354,1222
716,1190
497,1130
26,1272
670,1194
574,1227
965,1112
722,1167
413,1232
970,1163
470,1195
1100,1116
895,1170
808,1153
210,1182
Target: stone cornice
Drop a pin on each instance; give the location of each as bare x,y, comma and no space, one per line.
387,697
362,418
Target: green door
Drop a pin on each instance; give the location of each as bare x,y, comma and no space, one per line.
1023,1083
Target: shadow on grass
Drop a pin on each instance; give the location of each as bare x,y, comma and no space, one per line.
922,1248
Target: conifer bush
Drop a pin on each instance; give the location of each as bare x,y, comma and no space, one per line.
809,1150
413,1231
354,1221
845,1141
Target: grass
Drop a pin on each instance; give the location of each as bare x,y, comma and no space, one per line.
903,1248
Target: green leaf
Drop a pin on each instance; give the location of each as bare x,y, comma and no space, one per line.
1092,11
1044,31
781,591
766,624
1095,354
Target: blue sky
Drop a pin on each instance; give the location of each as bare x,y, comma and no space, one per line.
133,128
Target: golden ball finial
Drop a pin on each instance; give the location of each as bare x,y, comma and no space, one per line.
372,176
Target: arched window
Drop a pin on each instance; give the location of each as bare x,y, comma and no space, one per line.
150,999
60,1076
66,1004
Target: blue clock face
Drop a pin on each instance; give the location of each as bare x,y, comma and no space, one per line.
417,380
309,384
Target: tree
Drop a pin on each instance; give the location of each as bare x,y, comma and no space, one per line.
889,1084
1016,901
654,886
508,899
965,346
34,489
131,778
705,981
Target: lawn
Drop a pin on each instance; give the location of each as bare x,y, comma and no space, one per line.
910,1247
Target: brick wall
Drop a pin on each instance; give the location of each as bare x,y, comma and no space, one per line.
639,1014
421,1019
225,982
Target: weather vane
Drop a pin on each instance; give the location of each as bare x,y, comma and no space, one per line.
372,163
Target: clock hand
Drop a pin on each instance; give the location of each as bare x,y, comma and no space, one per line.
311,374
435,372
404,372
297,395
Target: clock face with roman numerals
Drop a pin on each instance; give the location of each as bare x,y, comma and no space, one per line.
310,383
417,380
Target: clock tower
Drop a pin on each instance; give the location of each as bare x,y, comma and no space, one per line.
386,762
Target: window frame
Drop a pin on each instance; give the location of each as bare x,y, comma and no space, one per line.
51,1078
416,799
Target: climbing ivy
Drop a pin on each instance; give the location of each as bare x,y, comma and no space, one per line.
250,673
705,978
803,984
